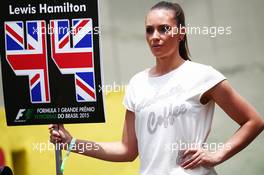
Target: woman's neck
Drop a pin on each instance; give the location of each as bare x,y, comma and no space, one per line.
165,65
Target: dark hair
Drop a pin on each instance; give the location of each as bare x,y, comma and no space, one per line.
180,20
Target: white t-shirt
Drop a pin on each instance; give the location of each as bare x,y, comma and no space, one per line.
169,116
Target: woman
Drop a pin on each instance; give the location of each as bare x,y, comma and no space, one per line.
172,104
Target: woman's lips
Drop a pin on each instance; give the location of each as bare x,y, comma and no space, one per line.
156,46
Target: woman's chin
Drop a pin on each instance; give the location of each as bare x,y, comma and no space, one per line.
158,54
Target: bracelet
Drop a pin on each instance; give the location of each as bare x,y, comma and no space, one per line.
73,141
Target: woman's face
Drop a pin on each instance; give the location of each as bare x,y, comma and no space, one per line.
161,33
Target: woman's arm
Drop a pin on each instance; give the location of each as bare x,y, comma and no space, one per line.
250,121
123,151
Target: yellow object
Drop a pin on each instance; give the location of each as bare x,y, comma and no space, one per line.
21,145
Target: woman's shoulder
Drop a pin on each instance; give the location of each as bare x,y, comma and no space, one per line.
204,71
200,68
139,76
198,65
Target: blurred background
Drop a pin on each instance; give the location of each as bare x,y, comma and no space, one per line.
239,56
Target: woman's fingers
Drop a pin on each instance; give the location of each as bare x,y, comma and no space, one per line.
193,157
61,126
54,139
55,136
196,165
55,133
51,127
59,134
188,152
199,158
192,163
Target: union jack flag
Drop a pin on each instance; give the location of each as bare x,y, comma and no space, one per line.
30,58
77,60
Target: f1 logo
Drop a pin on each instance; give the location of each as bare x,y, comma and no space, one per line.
20,113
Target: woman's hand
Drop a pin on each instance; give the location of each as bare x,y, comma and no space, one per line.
193,158
58,134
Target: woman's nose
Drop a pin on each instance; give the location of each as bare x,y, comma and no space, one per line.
156,35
